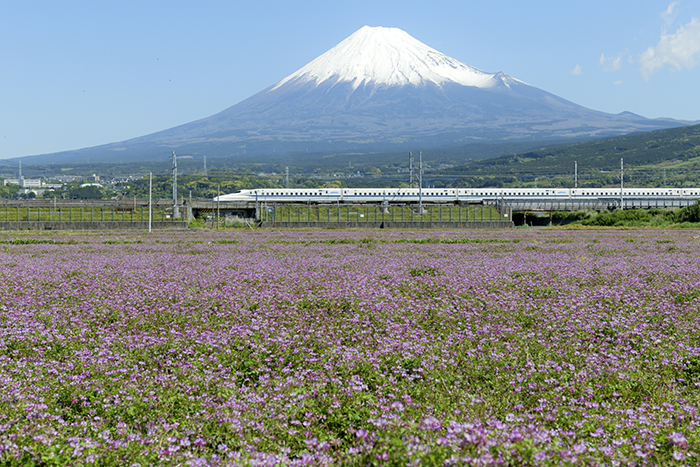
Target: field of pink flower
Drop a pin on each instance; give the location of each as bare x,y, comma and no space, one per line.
351,348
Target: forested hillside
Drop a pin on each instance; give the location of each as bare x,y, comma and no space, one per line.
649,158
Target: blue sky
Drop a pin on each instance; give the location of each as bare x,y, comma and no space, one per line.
76,74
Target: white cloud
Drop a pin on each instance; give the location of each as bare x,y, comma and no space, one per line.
680,50
618,82
668,16
611,64
576,71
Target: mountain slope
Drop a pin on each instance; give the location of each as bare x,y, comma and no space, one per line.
676,150
380,89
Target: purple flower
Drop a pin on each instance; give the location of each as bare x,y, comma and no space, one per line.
431,423
176,343
678,439
678,455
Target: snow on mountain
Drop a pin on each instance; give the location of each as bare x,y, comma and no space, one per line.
389,57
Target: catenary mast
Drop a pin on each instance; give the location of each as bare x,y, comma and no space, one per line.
176,213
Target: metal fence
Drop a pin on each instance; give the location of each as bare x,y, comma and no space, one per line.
84,214
378,213
602,204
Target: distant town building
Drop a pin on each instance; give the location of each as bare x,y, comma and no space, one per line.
24,182
30,182
32,185
69,178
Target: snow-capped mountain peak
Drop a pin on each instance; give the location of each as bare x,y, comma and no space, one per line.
381,90
390,57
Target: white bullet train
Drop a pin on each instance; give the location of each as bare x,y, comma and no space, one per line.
448,195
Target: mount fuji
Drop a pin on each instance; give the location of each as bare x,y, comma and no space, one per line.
380,90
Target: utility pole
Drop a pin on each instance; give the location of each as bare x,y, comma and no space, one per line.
575,174
410,170
664,177
622,183
205,165
150,205
286,177
176,213
420,182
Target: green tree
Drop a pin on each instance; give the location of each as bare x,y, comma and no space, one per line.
689,214
9,191
85,192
